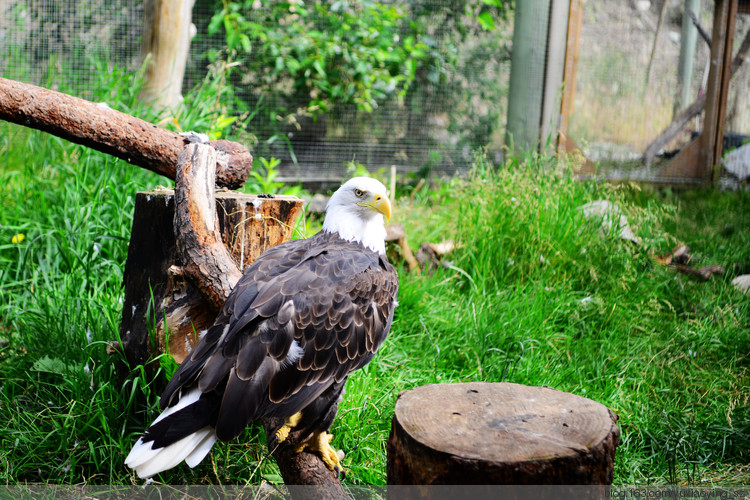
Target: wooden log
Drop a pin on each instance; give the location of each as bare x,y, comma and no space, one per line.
157,292
313,480
501,433
99,127
395,235
167,31
206,262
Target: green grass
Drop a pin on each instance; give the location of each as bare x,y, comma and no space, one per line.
534,295
667,353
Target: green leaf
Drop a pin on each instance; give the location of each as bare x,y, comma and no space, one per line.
245,42
292,65
50,365
486,21
216,22
319,68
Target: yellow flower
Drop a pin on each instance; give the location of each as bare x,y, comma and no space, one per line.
17,238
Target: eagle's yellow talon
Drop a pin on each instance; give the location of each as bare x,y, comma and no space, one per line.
319,443
289,424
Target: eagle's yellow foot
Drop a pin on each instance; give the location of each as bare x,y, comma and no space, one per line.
320,442
289,424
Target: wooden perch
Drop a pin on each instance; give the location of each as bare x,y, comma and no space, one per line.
212,270
679,121
303,469
160,303
99,127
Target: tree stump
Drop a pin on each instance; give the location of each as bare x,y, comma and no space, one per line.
157,295
502,433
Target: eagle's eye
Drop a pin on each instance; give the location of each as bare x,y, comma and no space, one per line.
359,193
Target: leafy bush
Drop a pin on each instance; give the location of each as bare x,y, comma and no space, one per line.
366,70
323,54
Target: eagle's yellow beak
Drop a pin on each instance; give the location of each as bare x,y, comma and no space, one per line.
379,203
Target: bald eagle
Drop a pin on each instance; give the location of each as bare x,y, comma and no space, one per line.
304,316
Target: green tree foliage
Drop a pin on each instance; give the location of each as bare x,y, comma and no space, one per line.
323,53
334,57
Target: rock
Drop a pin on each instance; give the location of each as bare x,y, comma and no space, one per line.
681,255
742,283
316,204
737,163
609,212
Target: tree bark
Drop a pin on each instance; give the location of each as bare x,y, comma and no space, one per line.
99,127
206,261
481,433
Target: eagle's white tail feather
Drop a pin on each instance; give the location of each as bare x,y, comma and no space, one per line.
200,451
147,461
195,446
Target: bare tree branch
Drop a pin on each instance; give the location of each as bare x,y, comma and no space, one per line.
99,127
701,30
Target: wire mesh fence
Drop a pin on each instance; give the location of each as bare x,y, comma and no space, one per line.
48,41
449,109
456,103
628,89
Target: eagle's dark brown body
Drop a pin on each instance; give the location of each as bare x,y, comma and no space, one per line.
304,316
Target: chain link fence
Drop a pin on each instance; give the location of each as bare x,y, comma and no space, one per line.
628,91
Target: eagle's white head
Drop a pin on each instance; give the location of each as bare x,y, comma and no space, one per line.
356,211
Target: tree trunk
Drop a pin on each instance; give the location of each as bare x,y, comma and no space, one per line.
167,32
483,433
